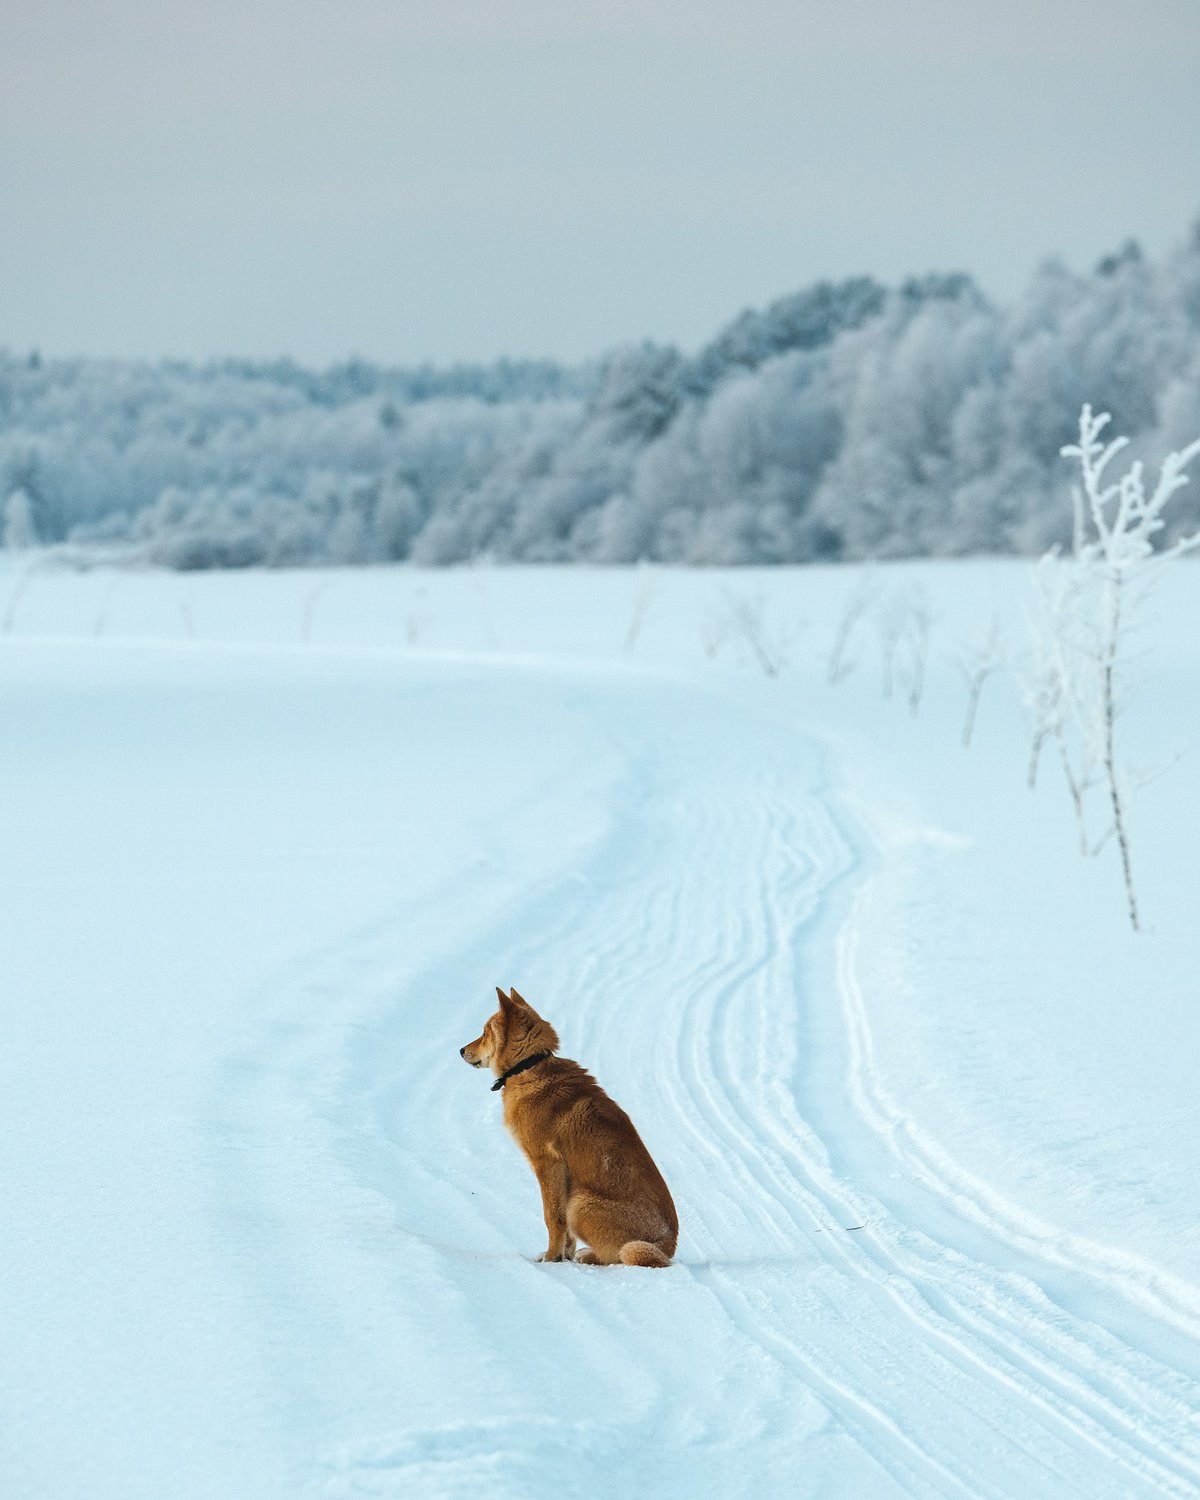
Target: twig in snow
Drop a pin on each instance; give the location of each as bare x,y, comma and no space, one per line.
978,659
856,605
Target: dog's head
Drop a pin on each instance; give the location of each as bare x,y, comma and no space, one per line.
515,1031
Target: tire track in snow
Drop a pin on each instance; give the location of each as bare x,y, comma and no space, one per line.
768,1191
1163,1297
1031,1377
705,1074
915,1287
770,1175
780,1193
1010,1327
1115,1393
610,947
713,979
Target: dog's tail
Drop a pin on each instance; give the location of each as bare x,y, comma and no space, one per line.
643,1253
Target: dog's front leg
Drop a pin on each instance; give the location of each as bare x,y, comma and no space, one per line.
551,1172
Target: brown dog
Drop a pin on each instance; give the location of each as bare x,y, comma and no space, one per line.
598,1181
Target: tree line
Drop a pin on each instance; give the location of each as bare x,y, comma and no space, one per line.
849,420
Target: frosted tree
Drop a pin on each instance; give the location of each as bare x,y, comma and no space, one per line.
978,657
639,612
854,607
915,653
904,619
842,422
891,617
1116,564
1052,685
19,530
766,643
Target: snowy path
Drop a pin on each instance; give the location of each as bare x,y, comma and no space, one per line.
698,956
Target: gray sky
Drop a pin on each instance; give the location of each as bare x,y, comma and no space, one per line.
461,179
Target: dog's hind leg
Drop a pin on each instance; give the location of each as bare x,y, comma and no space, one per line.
614,1236
592,1220
577,1221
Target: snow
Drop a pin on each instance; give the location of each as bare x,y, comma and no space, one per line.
271,840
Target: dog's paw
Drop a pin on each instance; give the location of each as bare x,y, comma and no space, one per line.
549,1258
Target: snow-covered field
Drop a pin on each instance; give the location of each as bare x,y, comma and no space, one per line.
928,1109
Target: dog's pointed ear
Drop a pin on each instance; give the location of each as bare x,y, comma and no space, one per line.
505,1001
519,999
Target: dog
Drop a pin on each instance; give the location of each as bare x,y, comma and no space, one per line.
599,1183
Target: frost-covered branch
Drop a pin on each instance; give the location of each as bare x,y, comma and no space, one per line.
1055,685
1092,612
641,607
15,597
857,603
769,645
978,658
890,618
916,649
903,620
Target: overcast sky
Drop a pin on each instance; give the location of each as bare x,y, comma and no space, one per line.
461,179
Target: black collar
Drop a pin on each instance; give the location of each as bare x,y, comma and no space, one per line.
520,1067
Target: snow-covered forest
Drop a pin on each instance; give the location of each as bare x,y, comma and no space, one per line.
849,420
